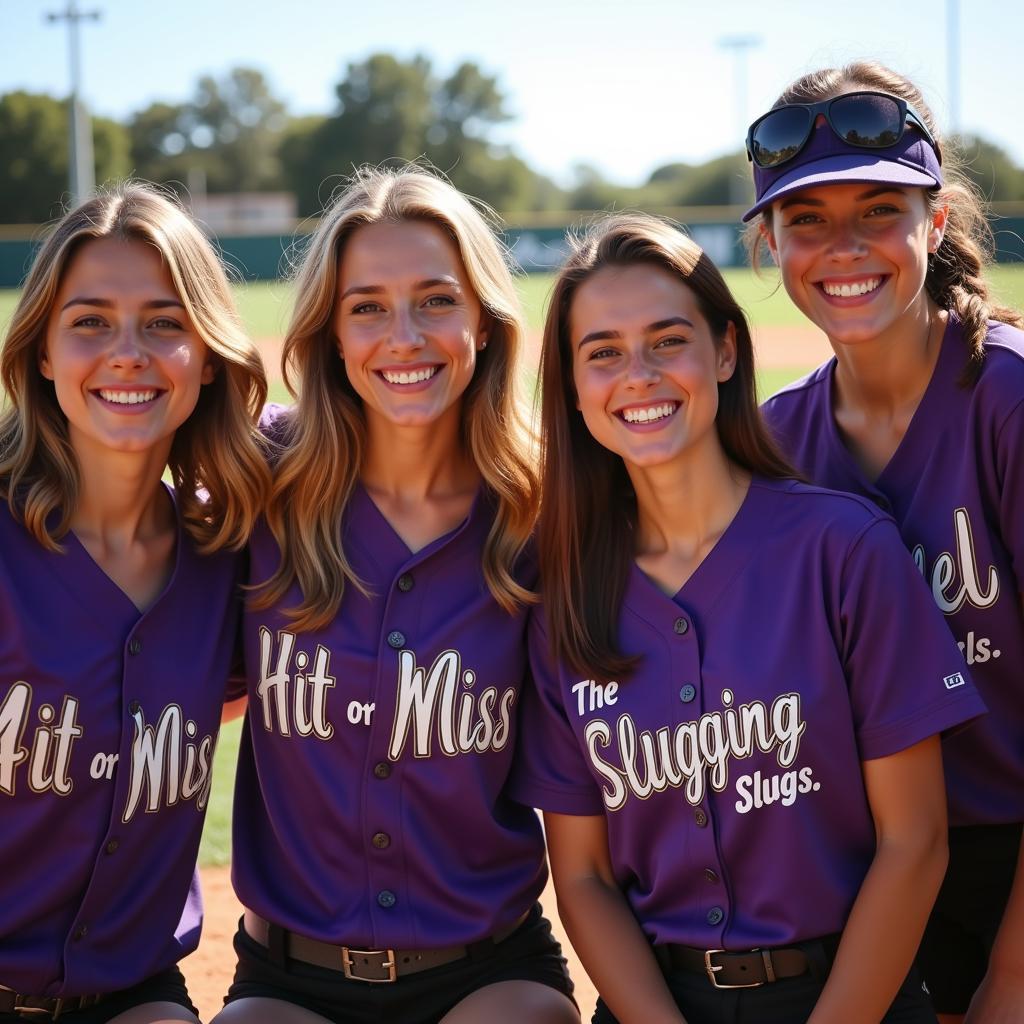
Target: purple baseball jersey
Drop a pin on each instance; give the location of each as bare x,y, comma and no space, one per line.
369,806
108,720
955,486
728,766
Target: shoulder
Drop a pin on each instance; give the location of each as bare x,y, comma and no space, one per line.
801,398
1001,380
804,513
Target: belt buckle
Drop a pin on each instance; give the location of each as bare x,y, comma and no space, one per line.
712,970
388,964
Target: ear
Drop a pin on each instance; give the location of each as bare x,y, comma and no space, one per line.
209,370
483,332
937,231
44,365
726,354
769,237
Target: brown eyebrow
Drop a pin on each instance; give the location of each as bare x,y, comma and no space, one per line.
376,289
108,304
658,325
871,193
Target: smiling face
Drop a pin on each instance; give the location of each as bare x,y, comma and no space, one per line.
124,357
854,257
646,367
408,323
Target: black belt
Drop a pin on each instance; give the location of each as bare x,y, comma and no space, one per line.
748,969
35,1007
373,965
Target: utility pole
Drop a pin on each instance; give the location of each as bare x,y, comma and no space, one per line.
740,46
953,63
80,159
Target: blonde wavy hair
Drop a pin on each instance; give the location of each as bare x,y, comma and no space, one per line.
217,460
324,437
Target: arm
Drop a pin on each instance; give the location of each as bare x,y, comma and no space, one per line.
600,924
907,799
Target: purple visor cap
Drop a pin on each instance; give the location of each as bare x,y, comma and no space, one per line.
828,160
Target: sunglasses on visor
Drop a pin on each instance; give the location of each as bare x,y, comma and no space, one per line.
870,120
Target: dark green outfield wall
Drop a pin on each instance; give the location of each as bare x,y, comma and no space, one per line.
265,257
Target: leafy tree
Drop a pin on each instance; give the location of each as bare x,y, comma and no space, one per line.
229,131
34,156
991,169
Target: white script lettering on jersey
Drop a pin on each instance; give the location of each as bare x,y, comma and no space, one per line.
944,572
465,722
308,704
692,753
49,756
166,760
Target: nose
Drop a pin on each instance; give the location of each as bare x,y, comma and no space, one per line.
640,371
845,241
128,349
405,333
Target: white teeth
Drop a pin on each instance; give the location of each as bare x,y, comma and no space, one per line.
649,413
845,290
408,378
127,397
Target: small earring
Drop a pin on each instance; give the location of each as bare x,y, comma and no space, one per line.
483,344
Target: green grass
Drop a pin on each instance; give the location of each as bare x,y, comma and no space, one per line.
216,845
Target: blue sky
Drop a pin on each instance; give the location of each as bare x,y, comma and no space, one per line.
623,85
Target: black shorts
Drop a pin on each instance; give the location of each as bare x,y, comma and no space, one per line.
786,1001
530,953
970,906
166,987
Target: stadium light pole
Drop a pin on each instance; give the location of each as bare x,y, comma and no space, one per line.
81,168
740,47
953,63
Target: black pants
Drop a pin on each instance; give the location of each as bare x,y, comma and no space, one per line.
960,933
787,1001
531,953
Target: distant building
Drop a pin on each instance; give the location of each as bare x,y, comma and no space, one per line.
246,213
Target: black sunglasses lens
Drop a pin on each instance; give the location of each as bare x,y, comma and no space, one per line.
779,135
867,120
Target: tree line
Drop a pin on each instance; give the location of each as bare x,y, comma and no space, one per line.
234,135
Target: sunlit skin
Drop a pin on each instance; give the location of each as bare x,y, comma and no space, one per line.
863,236
119,331
642,348
406,306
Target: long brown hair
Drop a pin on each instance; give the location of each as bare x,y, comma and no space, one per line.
217,462
588,514
325,437
955,279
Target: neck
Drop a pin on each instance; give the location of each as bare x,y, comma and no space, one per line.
121,500
415,463
887,373
685,506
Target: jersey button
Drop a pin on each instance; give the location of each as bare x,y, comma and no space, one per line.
135,707
112,846
687,693
710,876
80,932
716,915
700,817
382,770
381,840
396,639
406,582
386,898
681,625
134,645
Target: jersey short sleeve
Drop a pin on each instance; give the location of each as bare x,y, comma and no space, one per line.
549,770
907,677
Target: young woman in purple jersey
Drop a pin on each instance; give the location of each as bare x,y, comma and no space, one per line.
882,244
119,603
734,744
384,874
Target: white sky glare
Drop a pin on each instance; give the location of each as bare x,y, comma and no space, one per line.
622,86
